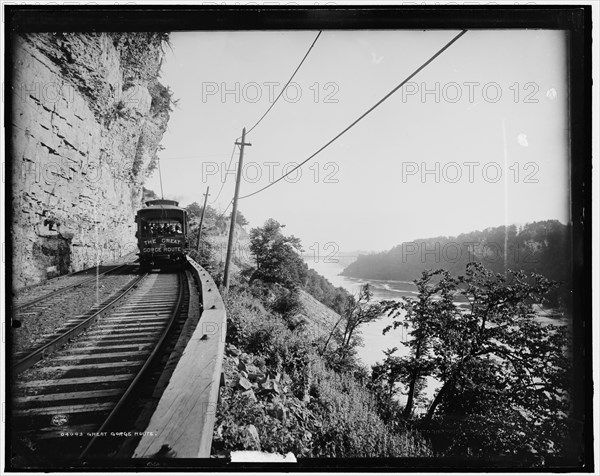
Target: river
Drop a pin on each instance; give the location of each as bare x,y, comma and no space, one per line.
375,343
374,340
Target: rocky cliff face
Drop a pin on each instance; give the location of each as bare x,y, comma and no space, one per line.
88,117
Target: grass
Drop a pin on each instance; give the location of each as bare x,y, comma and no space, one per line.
320,413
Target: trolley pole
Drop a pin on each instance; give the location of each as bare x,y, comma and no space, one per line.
234,211
202,218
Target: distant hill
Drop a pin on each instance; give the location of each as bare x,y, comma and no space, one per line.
542,247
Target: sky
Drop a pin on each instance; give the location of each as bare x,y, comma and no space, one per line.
478,138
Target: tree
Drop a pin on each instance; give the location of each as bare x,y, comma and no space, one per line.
241,219
325,292
194,210
148,194
383,380
277,256
389,372
540,247
360,309
502,371
434,300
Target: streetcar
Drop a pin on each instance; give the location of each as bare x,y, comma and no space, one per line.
161,234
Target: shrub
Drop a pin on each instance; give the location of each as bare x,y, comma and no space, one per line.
293,431
350,426
242,311
287,303
326,414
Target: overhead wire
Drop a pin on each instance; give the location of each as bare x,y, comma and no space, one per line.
371,109
225,211
286,84
267,112
225,179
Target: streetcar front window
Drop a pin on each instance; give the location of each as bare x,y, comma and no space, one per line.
161,227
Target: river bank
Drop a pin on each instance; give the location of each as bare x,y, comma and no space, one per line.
375,343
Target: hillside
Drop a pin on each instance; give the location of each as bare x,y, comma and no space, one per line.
540,247
285,389
293,382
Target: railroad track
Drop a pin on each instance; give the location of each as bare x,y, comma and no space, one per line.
70,400
79,278
70,329
42,320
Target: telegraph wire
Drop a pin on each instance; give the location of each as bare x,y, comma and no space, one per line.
363,115
225,179
265,114
225,211
286,85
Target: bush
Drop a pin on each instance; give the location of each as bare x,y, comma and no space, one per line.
325,292
292,431
243,310
205,257
350,426
323,414
287,303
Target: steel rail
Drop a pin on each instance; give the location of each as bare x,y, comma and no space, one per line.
66,288
184,417
39,353
132,385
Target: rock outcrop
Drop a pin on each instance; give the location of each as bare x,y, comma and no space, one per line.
88,117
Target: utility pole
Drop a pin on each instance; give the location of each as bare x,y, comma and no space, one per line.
162,196
202,218
234,211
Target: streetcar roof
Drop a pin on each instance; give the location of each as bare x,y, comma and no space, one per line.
161,210
162,201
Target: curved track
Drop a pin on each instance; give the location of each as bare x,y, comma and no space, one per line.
39,324
72,329
64,403
80,280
